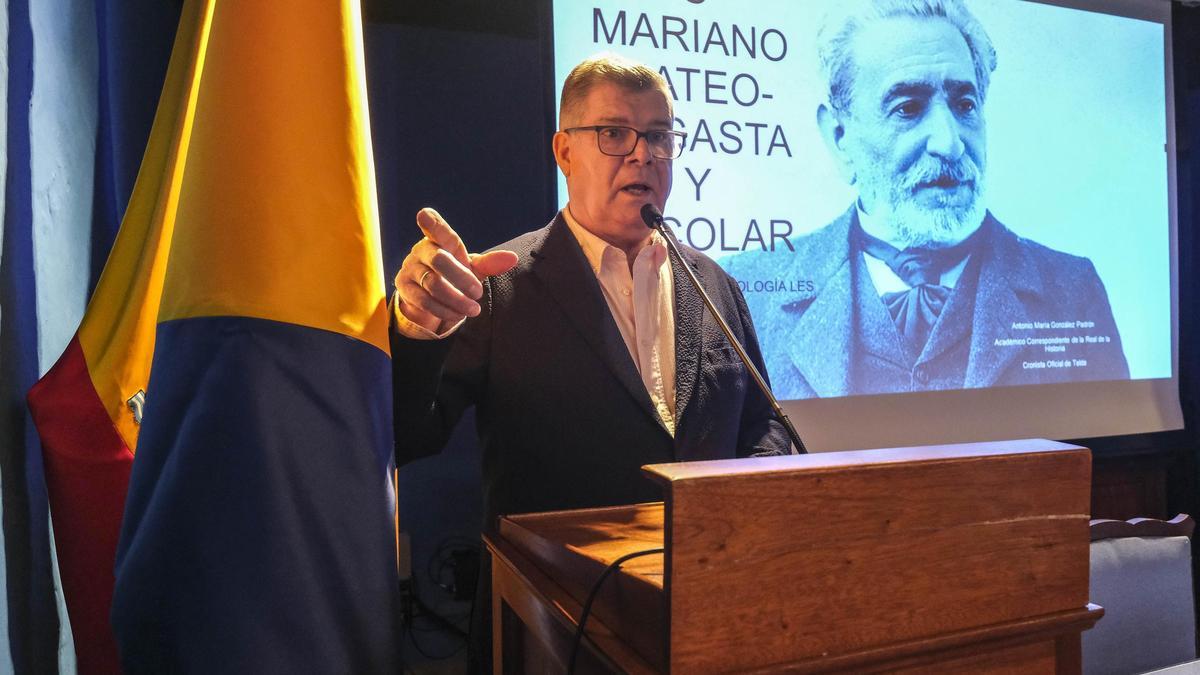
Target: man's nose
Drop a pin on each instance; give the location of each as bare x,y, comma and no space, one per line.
943,139
641,150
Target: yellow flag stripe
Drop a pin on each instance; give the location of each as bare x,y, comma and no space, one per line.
277,214
118,328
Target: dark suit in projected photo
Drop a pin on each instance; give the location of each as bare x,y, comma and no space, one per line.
583,348
918,286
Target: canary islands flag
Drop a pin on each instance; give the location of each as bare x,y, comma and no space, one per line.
237,344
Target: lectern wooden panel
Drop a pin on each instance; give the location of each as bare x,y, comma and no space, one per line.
968,556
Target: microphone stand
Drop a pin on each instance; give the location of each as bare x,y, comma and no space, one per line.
653,217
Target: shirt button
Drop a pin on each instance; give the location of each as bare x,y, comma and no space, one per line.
626,292
921,375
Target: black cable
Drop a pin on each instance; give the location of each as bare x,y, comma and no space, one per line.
587,605
443,622
437,563
434,569
443,625
412,637
411,634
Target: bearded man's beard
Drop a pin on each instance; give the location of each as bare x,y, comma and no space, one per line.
950,219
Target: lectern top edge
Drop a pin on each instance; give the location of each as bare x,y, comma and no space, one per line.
670,473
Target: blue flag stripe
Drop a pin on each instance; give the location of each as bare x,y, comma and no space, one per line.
258,531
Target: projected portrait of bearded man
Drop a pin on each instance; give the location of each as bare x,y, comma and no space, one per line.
917,286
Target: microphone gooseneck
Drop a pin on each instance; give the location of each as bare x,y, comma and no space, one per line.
654,219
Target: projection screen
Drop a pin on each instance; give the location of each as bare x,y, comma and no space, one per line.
1061,319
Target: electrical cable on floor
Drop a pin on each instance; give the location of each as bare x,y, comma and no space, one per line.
443,560
442,624
587,605
412,637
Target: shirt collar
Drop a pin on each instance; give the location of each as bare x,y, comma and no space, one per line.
887,281
595,249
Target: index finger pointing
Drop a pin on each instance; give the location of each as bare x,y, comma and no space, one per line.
438,231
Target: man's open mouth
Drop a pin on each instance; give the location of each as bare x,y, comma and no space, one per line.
636,189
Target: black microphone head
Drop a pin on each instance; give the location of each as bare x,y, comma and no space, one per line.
651,216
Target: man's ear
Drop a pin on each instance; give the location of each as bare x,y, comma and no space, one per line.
833,132
562,152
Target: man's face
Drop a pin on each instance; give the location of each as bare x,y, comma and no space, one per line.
914,138
606,193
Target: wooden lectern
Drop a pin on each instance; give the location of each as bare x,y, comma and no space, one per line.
956,558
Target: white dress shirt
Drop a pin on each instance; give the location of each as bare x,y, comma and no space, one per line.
642,302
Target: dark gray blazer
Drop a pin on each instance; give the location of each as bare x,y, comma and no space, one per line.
808,329
563,417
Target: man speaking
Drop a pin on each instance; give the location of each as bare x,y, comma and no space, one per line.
917,286
581,344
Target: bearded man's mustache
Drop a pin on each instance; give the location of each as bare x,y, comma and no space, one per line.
935,171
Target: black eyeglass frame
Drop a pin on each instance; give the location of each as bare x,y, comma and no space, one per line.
638,135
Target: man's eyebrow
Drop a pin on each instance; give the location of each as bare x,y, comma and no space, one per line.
926,90
960,87
907,90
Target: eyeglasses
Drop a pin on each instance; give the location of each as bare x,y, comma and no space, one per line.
620,141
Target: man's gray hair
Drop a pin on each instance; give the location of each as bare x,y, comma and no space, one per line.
836,37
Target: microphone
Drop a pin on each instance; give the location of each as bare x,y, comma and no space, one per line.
654,220
652,217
